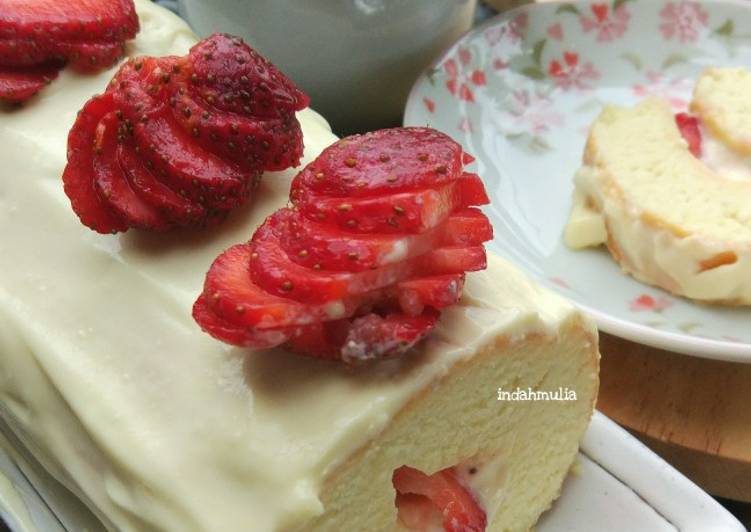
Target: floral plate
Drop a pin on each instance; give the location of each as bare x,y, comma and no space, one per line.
520,92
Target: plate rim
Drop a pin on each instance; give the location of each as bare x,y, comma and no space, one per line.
684,344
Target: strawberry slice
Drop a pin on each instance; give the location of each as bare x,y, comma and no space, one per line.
458,509
436,292
92,56
271,144
370,337
82,20
18,84
187,168
232,77
83,56
234,334
173,206
272,270
317,245
111,183
405,212
689,127
394,160
78,177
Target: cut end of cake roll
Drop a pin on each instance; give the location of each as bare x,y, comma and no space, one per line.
512,454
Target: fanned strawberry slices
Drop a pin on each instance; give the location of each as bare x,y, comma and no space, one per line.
37,38
380,232
180,141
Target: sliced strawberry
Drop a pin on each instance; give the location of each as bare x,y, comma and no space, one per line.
232,77
272,270
92,56
459,511
18,84
27,52
689,127
469,227
83,56
111,183
405,212
320,246
353,278
93,20
233,296
236,335
187,168
78,177
436,292
173,206
270,144
370,337
417,512
450,259
394,160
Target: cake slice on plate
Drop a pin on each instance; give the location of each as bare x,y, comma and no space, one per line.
108,380
670,197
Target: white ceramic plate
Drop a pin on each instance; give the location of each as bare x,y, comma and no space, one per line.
520,92
618,485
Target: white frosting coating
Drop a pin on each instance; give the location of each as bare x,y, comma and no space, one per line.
105,375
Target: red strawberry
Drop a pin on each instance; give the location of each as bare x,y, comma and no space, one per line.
234,334
272,144
232,77
184,167
78,177
322,246
18,84
436,292
89,34
352,292
393,162
274,272
111,183
83,56
689,127
173,206
404,212
457,508
370,337
92,56
81,20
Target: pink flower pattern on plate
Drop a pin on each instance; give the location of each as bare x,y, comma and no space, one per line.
461,78
646,302
570,72
683,20
534,112
513,31
609,25
675,90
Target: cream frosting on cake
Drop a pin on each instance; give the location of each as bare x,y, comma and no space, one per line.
107,379
668,218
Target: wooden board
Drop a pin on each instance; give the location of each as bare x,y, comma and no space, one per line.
694,412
